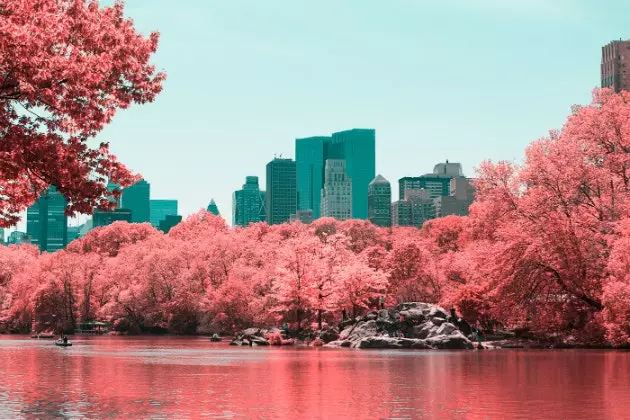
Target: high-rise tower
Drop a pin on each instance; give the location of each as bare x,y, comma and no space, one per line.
281,194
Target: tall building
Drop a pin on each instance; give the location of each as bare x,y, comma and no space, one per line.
356,147
614,72
212,208
74,232
1,236
401,213
248,203
169,221
336,198
379,201
281,194
114,187
137,199
160,209
309,165
46,222
105,218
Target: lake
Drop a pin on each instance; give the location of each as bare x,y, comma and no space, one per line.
190,377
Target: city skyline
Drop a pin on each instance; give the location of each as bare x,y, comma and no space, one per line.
402,95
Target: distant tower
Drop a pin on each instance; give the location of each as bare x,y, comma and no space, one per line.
212,208
336,196
614,73
248,203
281,194
379,201
160,209
137,199
46,222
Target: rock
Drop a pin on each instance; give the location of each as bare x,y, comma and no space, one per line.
252,332
379,343
329,334
437,312
422,331
413,314
383,315
446,329
371,316
455,341
260,341
438,321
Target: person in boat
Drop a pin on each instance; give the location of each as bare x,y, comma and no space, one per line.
65,340
215,336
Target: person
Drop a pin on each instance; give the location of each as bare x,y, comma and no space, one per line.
344,315
285,329
453,319
381,301
65,340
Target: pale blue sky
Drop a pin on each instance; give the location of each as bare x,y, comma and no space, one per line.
464,80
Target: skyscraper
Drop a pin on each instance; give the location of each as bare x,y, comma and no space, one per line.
160,209
46,222
281,194
212,208
309,160
614,72
379,201
1,236
356,147
336,198
247,203
137,199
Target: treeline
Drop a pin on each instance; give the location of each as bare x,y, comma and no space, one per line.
546,247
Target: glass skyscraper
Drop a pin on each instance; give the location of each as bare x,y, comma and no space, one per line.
137,199
248,203
160,209
46,222
357,147
281,194
212,208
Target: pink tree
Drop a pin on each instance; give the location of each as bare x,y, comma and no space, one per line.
66,67
358,286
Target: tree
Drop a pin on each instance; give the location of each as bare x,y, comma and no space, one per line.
66,67
358,285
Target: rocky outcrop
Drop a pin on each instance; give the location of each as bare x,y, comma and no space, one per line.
413,325
253,337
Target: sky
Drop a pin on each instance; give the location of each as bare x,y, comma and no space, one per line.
463,80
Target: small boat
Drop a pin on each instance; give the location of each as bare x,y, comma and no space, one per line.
215,338
62,343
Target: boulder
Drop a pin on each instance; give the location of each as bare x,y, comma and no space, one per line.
438,321
252,332
437,312
454,341
446,329
329,334
371,316
422,331
383,315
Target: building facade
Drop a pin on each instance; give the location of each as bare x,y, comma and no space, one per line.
248,203
458,202
336,200
379,202
303,216
169,222
137,198
437,183
46,222
18,238
309,167
104,218
1,236
281,193
615,73
357,147
160,209
212,208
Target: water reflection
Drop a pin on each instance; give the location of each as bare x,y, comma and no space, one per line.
119,377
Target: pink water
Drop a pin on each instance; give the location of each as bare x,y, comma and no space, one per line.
116,377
